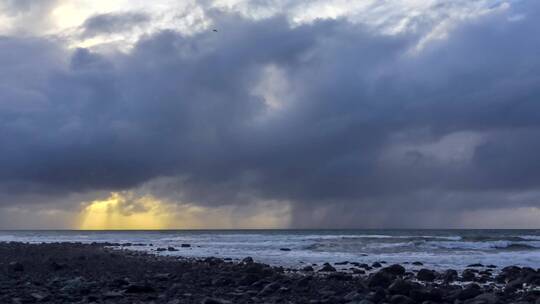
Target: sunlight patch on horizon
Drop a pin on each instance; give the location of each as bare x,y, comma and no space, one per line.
128,211
120,211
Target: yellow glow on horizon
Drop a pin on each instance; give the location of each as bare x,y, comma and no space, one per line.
119,211
128,211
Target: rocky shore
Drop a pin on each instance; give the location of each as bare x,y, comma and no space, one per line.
96,273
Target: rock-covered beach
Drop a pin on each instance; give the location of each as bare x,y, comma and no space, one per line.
98,273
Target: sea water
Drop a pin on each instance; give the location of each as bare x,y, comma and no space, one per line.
438,249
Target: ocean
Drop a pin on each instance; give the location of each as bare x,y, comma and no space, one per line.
437,249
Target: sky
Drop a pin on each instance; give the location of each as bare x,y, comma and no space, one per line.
129,114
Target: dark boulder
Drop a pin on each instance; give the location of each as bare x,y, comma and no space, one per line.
376,296
380,279
421,295
307,268
469,292
475,265
400,286
327,268
485,298
394,269
450,275
426,275
213,261
468,275
247,260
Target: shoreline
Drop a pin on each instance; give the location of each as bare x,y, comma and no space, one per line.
96,273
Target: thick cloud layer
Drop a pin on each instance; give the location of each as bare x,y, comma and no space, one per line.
344,123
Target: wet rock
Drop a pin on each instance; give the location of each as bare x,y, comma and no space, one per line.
339,276
38,296
269,289
341,263
222,281
376,265
468,275
426,275
75,286
247,260
161,276
380,279
486,298
303,282
394,269
510,273
475,265
139,288
327,268
55,266
417,263
215,301
119,282
401,299
422,294
113,295
515,284
466,293
172,249
15,267
248,279
377,296
450,275
285,249
307,268
185,245
161,249
353,296
400,287
213,261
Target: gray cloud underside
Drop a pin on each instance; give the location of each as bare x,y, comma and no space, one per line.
356,109
112,23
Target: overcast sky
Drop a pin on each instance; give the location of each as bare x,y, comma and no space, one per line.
270,113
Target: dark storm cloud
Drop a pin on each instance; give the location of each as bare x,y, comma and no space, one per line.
362,127
112,23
